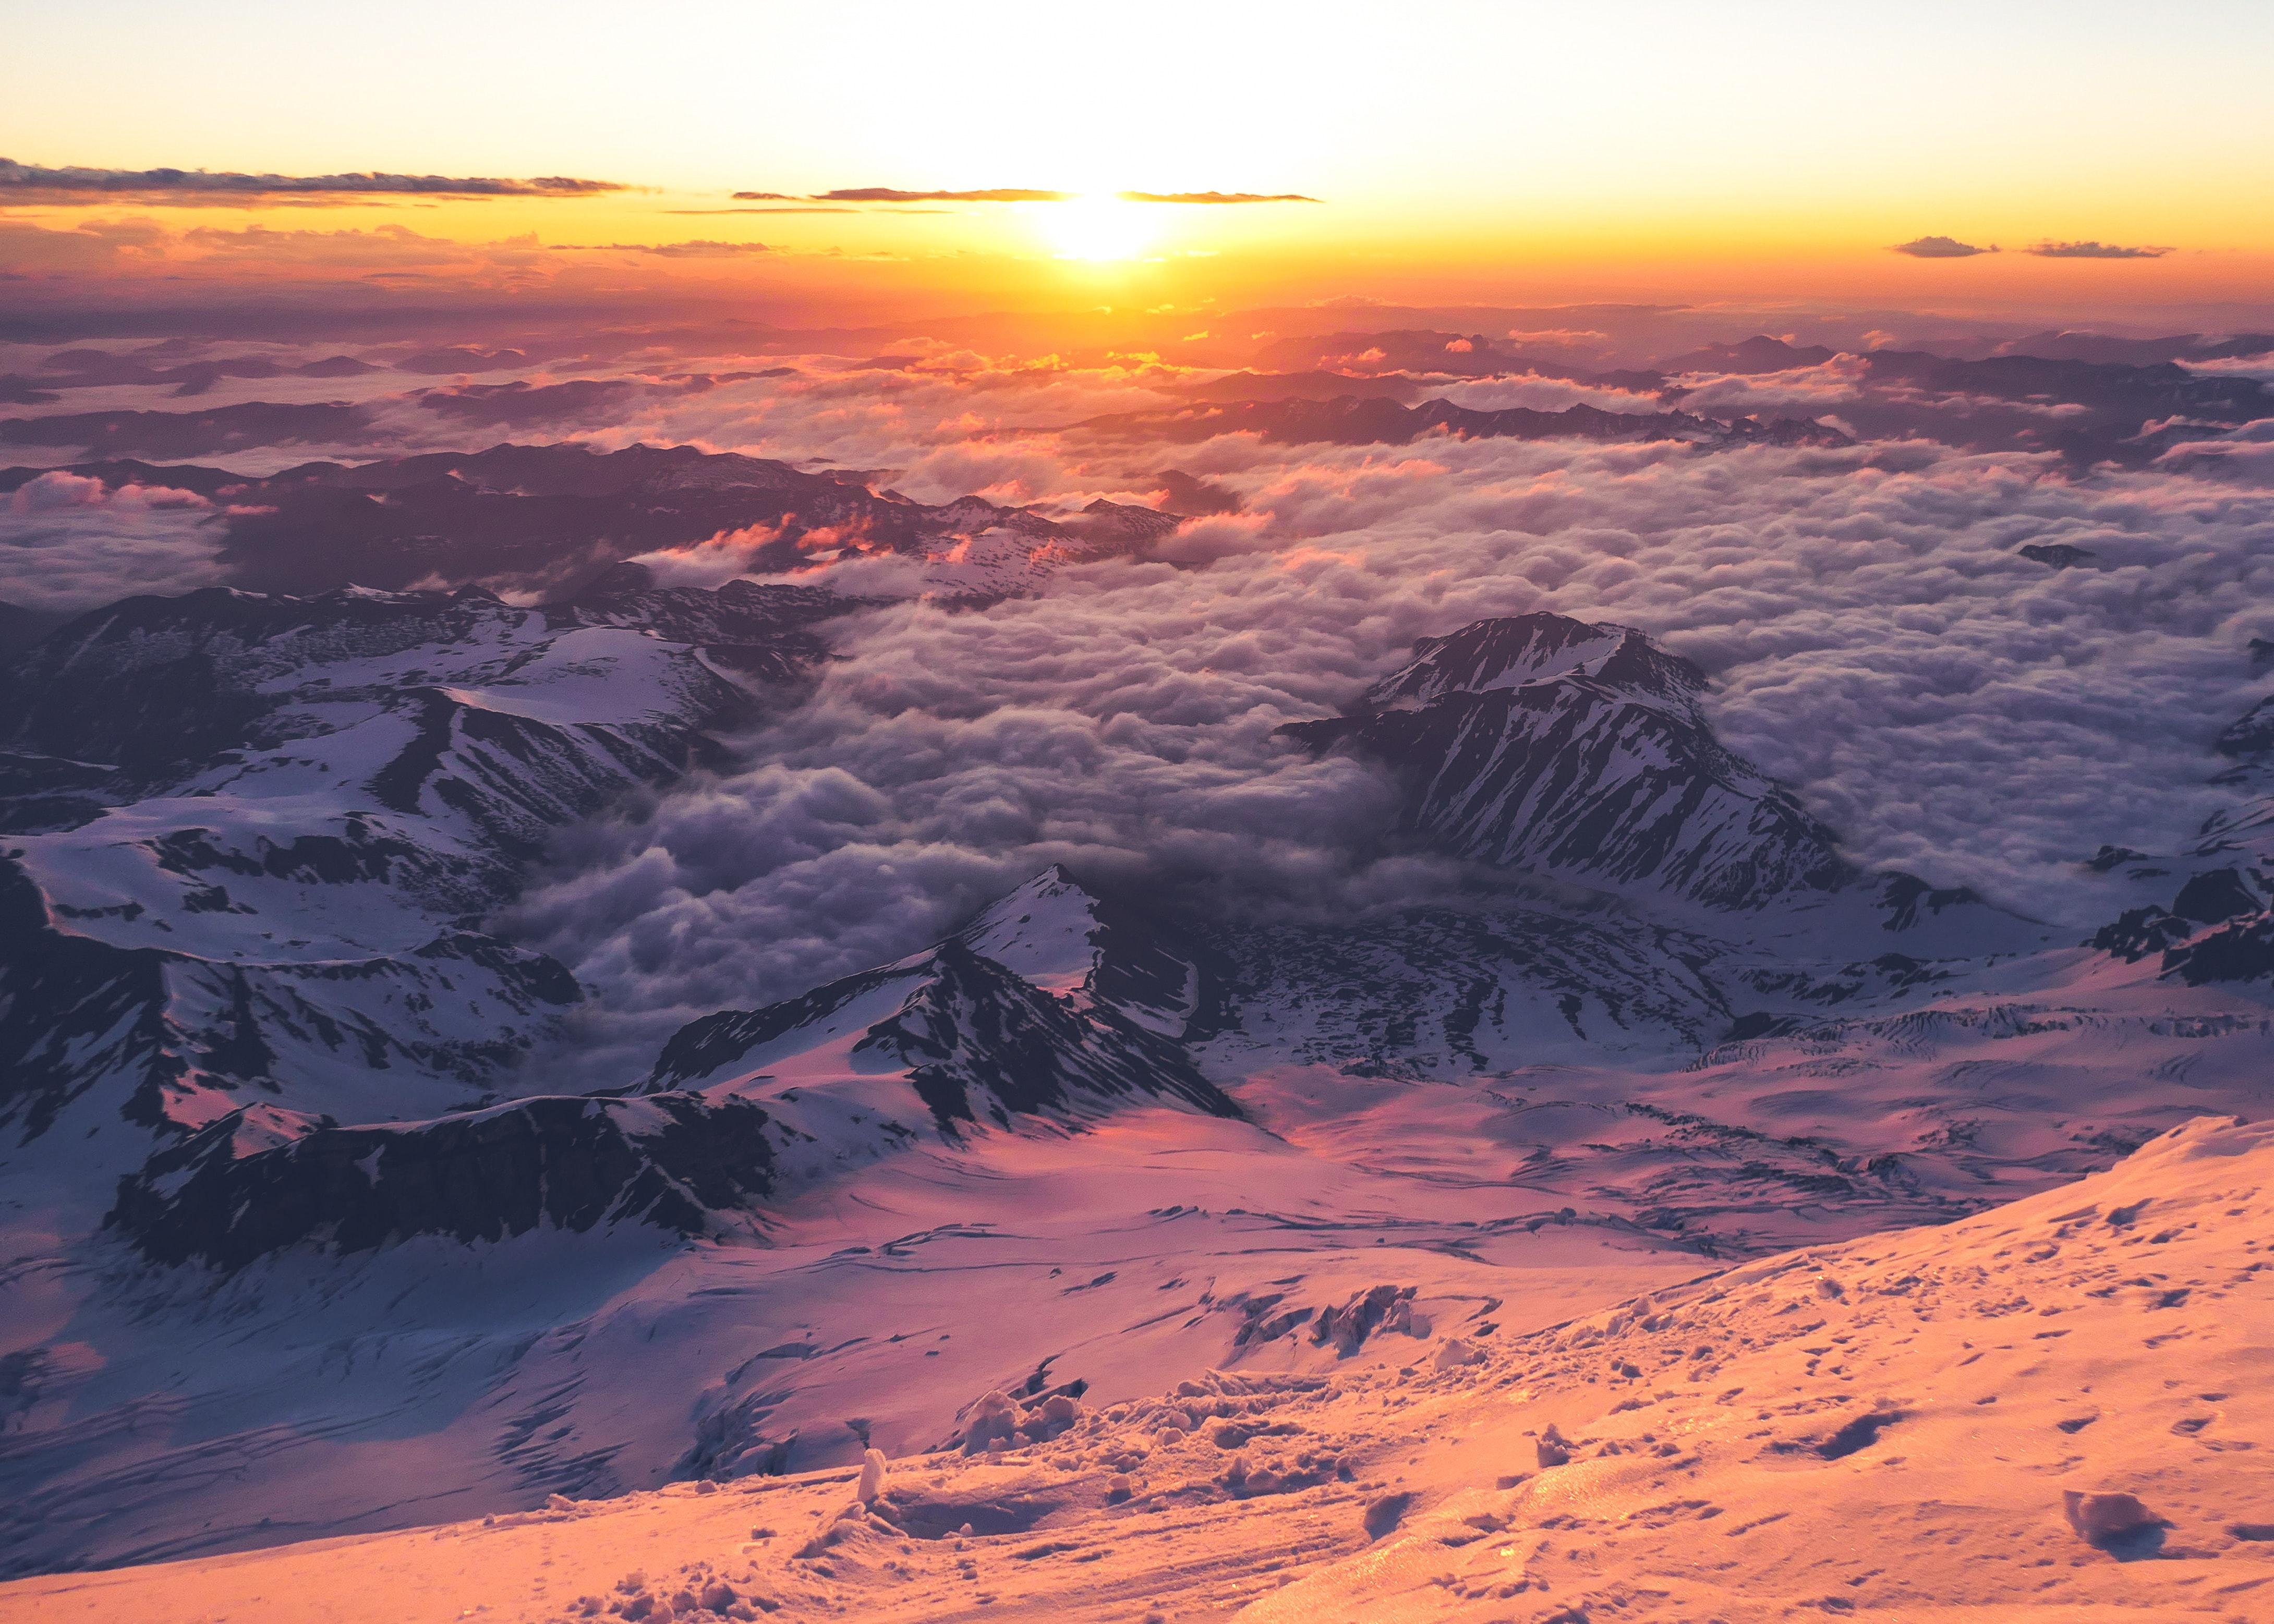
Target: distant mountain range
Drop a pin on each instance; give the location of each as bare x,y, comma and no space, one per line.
553,515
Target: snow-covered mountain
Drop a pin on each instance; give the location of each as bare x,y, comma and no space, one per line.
267,1085
1579,752
1052,1006
2217,925
255,837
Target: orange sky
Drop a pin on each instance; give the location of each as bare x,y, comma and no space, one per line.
1504,152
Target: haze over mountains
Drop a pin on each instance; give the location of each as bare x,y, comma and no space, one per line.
662,913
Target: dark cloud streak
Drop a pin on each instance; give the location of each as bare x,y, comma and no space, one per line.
2092,250
21,177
696,248
1214,197
1019,194
986,194
1940,248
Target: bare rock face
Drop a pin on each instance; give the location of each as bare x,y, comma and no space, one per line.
244,1188
2102,1517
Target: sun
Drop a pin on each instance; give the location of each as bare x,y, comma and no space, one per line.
1097,225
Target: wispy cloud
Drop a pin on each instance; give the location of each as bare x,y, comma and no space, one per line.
1215,197
697,248
984,194
1016,194
1941,248
21,177
2092,250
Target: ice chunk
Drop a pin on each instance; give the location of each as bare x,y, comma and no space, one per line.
993,1420
1457,1353
1386,1513
2105,1516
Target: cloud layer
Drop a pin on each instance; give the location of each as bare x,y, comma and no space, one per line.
1876,637
1876,634
69,544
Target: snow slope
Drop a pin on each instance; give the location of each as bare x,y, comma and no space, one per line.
294,1250
2053,1411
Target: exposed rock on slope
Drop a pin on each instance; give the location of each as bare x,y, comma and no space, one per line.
1551,745
258,1182
1039,1004
2218,925
1358,420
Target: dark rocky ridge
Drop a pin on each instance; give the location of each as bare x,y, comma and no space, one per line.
2219,925
976,1040
539,517
675,1161
1352,420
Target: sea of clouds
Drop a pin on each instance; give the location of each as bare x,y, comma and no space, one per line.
1873,636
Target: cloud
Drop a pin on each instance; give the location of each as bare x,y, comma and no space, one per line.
1802,390
1940,248
698,248
69,543
76,178
987,194
2092,250
711,563
766,196
1213,197
1875,638
1541,394
1028,194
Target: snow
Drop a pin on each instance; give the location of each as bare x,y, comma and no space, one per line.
1041,932
2000,1417
1437,1281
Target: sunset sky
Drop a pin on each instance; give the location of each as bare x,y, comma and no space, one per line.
1482,152
900,760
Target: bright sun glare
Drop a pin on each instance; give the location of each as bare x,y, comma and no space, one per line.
1098,226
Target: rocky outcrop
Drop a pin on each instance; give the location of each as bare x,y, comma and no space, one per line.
225,1198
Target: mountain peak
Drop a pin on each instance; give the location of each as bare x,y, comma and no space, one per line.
1044,931
1516,650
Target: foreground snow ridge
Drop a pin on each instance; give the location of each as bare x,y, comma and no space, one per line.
2056,1410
